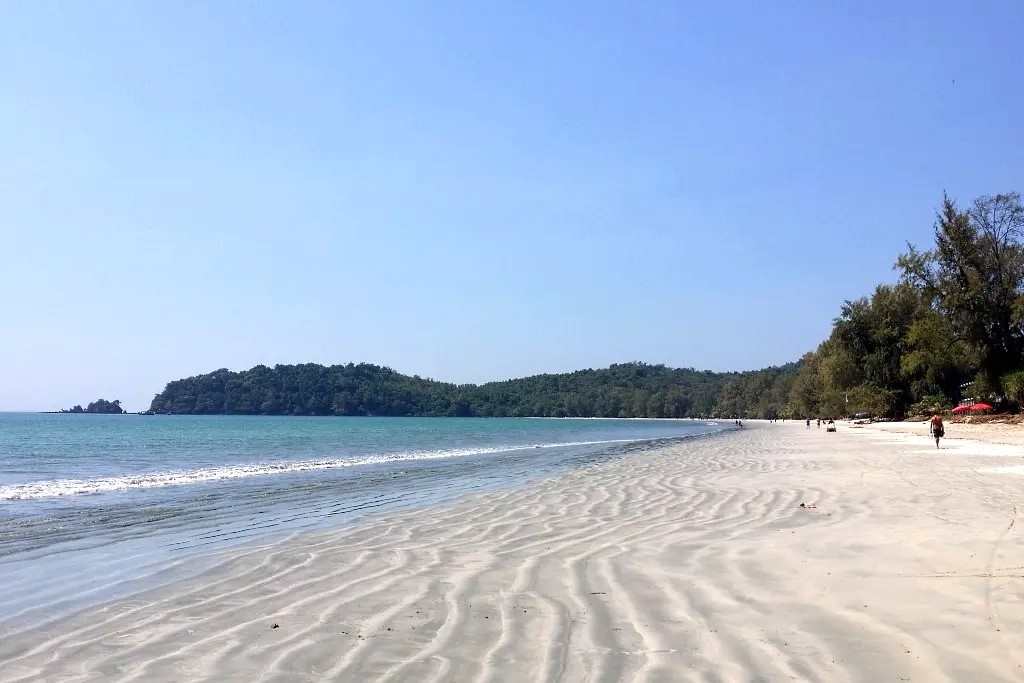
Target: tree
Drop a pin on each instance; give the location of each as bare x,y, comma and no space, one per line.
935,362
806,392
974,277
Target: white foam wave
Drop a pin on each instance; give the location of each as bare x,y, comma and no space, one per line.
76,487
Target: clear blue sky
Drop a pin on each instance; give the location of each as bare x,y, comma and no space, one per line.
472,193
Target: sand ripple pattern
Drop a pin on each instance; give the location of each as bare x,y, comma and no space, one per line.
775,553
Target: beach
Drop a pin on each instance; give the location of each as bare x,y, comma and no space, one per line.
770,553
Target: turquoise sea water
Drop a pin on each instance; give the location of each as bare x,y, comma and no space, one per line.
112,499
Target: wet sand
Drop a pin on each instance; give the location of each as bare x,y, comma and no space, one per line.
775,553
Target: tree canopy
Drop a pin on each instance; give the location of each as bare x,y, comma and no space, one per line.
952,327
623,390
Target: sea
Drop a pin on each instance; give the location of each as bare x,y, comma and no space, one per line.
96,507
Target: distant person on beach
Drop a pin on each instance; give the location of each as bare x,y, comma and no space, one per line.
819,423
936,428
808,423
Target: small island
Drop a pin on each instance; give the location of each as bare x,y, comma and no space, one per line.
100,406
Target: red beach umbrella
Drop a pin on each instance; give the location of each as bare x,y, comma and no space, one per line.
974,408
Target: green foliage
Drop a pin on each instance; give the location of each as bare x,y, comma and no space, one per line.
806,391
983,387
881,353
759,394
974,278
1013,385
935,361
930,405
625,390
956,314
870,399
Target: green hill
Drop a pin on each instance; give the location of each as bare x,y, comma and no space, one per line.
623,390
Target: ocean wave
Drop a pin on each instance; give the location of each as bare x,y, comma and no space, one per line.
59,488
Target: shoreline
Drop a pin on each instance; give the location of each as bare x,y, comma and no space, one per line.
87,568
772,551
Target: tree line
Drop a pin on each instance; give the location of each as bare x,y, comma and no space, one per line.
950,327
622,390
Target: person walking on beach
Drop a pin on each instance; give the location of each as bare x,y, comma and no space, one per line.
936,428
808,423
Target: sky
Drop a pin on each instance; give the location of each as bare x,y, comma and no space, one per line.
471,192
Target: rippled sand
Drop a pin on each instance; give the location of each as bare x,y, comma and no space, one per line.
776,553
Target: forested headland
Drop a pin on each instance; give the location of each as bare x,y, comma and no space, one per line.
624,390
950,326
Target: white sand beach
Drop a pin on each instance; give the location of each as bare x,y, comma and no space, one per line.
776,553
